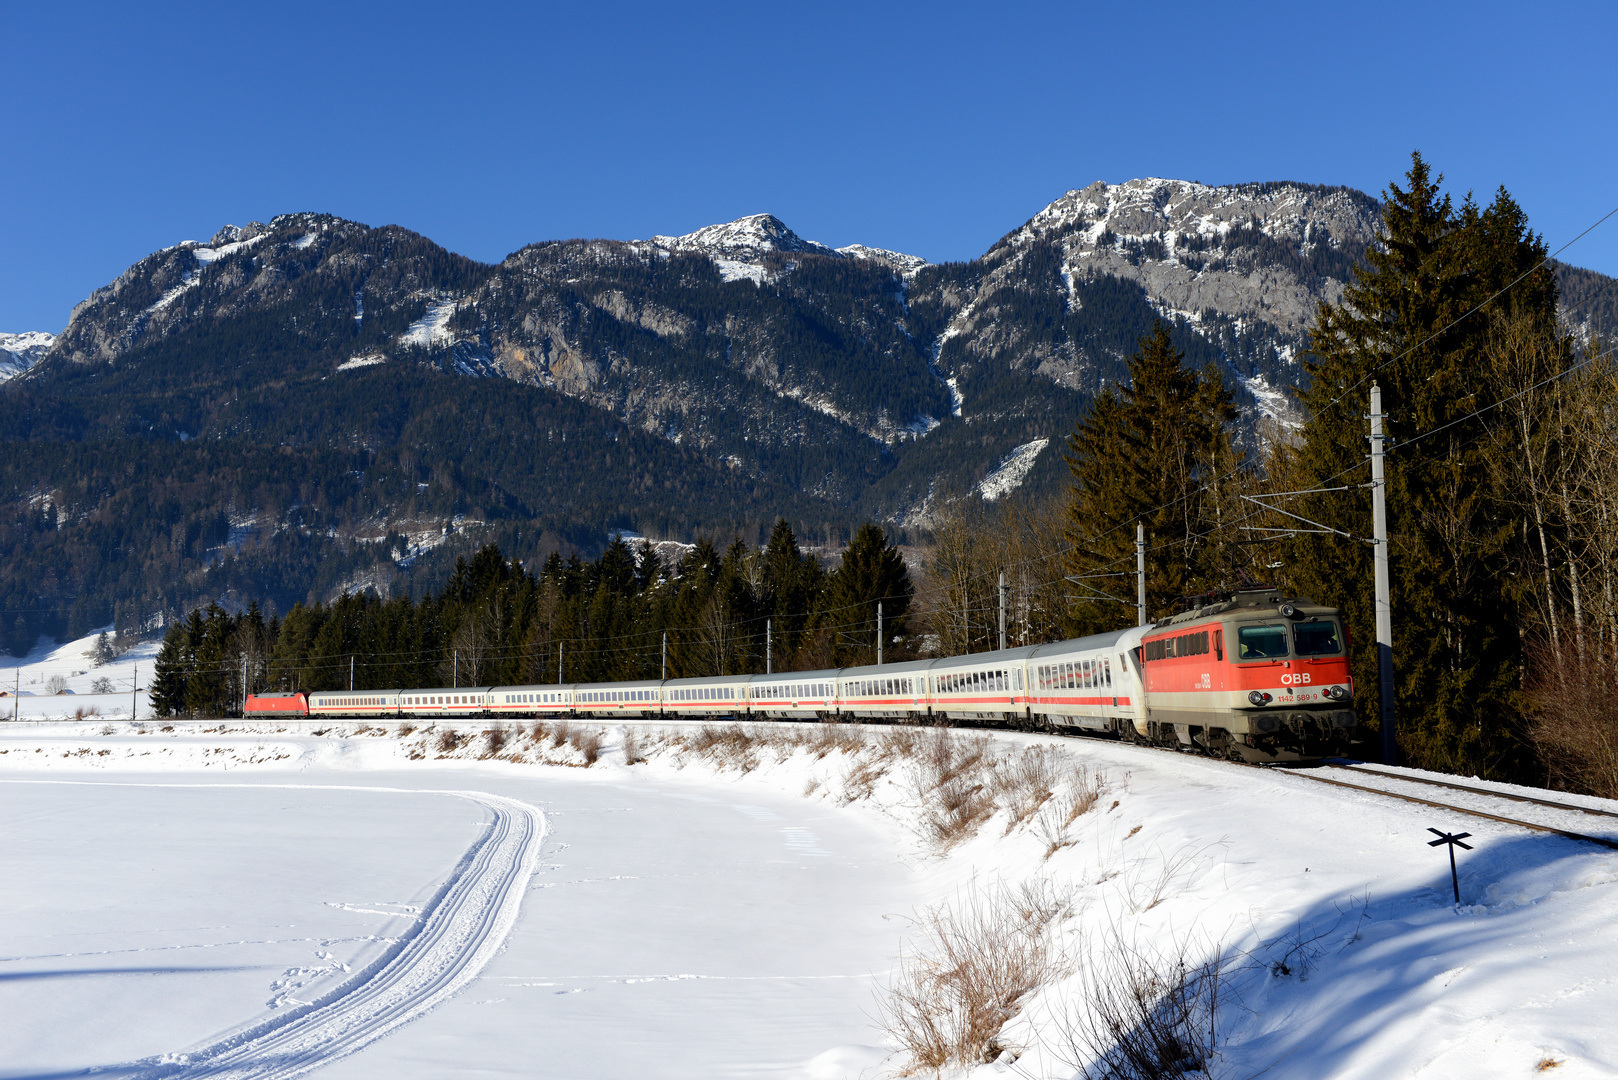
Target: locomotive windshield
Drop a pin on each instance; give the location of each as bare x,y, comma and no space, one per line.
1261,642
1317,639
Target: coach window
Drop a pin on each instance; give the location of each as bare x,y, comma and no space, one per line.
1261,642
1316,638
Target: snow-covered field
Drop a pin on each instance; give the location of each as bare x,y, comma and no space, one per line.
225,901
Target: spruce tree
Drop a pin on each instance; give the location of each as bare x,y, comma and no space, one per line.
1404,324
872,572
170,673
1152,452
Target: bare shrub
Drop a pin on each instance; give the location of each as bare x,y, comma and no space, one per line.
448,740
834,738
633,754
862,777
101,685
108,729
406,729
1025,781
951,778
727,746
497,740
561,733
900,744
587,743
539,733
980,957
55,685
1575,725
1083,788
1143,1013
82,713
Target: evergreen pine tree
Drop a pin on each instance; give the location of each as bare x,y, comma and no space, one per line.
170,672
872,572
1451,529
1150,452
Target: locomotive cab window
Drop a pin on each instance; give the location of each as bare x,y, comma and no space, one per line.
1261,642
1316,638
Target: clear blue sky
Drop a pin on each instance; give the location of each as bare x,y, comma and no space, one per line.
931,129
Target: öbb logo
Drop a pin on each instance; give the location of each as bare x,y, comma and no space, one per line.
1295,678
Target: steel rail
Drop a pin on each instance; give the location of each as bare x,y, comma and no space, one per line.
1457,809
1472,790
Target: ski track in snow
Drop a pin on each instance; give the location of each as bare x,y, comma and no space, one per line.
453,938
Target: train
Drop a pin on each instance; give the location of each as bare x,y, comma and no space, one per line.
1253,676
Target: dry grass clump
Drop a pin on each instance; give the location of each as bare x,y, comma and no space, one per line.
980,957
448,740
1143,1013
82,713
561,733
405,729
587,743
725,746
633,754
952,780
1082,789
539,732
497,740
1025,781
834,738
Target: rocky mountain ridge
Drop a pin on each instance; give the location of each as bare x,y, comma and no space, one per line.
364,382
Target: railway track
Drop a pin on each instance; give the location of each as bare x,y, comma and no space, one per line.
1389,790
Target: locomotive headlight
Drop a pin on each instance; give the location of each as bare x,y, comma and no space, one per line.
1259,697
1337,693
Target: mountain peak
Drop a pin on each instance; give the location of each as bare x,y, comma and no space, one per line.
748,239
745,239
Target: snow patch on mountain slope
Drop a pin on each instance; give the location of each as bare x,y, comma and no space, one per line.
367,360
733,270
206,255
1273,403
1012,470
432,328
19,352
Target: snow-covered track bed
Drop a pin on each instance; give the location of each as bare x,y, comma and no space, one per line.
459,931
1590,824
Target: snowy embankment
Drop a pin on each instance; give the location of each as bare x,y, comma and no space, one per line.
1043,886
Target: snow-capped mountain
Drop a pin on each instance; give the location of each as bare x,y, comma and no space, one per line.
740,248
324,393
19,352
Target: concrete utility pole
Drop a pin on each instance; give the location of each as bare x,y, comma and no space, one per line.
1002,609
134,685
1140,574
665,659
879,633
561,657
351,674
1379,560
244,686
768,649
454,670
